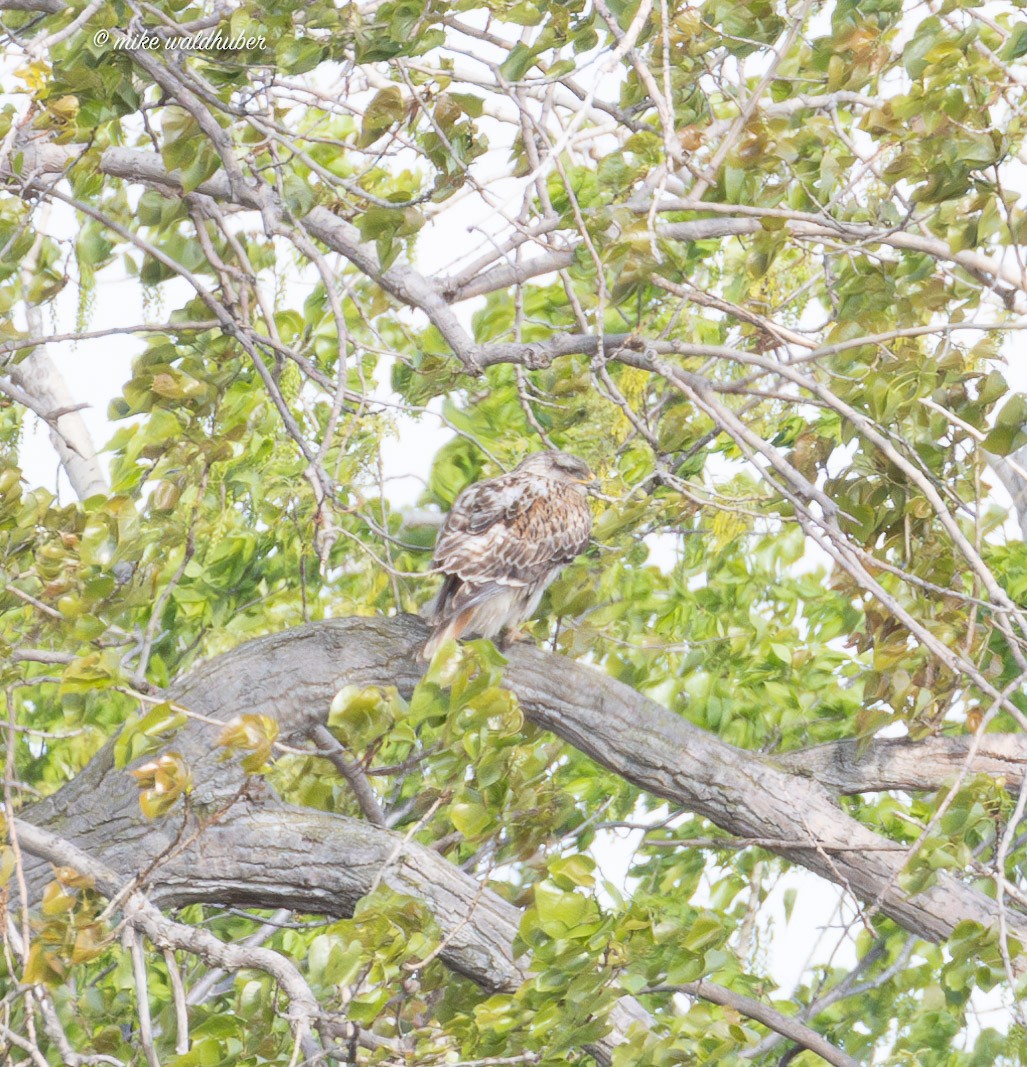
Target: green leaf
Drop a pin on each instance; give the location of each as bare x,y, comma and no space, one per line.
1010,429
147,734
517,63
386,109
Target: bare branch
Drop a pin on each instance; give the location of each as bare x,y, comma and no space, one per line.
181,1007
762,1013
143,916
38,376
334,752
134,947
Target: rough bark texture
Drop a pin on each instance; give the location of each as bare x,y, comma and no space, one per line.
851,766
260,852
255,850
49,7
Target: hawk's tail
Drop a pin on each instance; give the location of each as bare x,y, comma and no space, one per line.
464,608
441,618
451,629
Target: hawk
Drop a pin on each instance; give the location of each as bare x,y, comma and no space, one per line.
504,541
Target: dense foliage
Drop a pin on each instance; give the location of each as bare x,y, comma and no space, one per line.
760,265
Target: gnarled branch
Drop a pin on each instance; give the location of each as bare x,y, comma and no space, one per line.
293,676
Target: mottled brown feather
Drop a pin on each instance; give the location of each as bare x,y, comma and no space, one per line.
502,544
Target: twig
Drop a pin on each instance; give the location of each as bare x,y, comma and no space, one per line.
132,945
181,1008
762,1013
330,749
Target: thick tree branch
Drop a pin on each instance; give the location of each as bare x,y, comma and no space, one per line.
48,7
293,677
142,915
851,766
255,851
37,385
736,790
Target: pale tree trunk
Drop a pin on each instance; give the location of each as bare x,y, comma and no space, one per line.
1014,483
39,379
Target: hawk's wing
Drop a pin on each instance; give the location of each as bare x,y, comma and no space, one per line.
513,530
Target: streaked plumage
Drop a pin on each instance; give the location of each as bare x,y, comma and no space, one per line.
503,543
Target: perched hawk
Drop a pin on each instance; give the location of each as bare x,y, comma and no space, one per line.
504,541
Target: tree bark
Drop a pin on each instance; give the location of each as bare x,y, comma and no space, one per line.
260,852
248,848
854,766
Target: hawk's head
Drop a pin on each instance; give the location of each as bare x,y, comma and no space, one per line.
559,466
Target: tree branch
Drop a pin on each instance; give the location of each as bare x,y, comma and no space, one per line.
255,851
402,282
763,1013
47,7
37,375
852,766
1014,484
358,783
141,914
294,675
